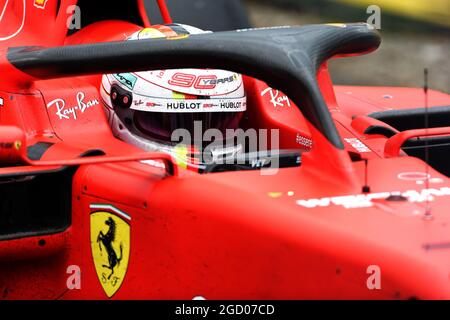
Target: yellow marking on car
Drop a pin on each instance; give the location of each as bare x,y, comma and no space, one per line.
432,11
275,194
110,245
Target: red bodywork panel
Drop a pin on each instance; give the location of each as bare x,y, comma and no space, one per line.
303,233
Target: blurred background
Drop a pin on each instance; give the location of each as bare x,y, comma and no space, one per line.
416,33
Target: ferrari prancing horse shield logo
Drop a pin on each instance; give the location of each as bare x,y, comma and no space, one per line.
110,244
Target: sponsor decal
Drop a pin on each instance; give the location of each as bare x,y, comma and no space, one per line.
260,163
194,82
366,200
126,79
2,102
152,104
11,145
40,3
201,82
149,104
139,103
67,113
276,98
303,141
183,105
213,81
231,105
357,145
418,177
110,245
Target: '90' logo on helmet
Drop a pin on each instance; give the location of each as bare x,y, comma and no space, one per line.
185,80
40,3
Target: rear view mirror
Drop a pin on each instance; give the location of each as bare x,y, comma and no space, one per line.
13,151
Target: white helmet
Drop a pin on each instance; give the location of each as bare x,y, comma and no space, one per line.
144,108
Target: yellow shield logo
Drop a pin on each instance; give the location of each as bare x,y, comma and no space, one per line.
110,244
40,3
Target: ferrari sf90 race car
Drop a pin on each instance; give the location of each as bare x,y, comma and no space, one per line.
345,196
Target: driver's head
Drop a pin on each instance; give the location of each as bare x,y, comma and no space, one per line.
145,108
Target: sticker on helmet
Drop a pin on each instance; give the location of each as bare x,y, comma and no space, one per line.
200,82
126,79
150,104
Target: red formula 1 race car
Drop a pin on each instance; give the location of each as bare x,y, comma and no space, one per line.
339,203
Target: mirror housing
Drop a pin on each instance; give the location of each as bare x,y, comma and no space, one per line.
13,151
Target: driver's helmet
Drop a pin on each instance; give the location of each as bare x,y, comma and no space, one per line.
144,108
